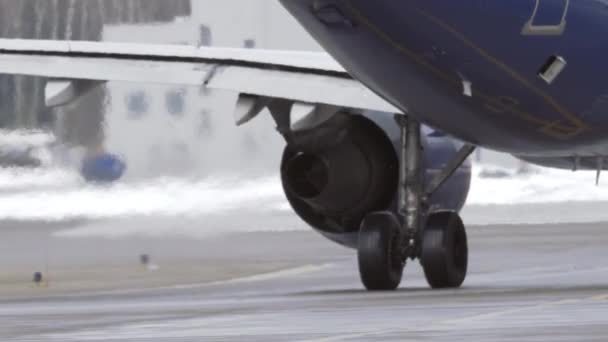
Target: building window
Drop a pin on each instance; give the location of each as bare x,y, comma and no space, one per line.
205,37
175,101
249,44
137,104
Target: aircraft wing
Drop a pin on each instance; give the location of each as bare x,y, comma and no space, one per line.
302,77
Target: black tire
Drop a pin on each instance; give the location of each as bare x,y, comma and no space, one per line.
380,265
445,253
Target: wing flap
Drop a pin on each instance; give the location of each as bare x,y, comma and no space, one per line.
301,87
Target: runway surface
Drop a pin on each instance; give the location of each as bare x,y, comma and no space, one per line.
526,283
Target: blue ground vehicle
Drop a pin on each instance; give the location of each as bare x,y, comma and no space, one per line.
103,168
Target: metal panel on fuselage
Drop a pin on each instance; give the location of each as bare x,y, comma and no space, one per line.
419,54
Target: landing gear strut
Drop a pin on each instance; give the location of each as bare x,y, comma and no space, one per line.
438,239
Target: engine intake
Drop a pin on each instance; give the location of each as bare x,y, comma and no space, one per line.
333,188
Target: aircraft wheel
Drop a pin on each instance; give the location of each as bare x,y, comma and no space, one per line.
380,262
444,255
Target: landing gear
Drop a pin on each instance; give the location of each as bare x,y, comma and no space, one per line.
438,239
444,253
380,261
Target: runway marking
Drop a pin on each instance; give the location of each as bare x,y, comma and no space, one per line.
350,336
288,272
496,314
450,323
600,297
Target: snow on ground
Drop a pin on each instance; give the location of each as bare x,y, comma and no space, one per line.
233,202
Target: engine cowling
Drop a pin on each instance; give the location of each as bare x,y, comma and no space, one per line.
333,179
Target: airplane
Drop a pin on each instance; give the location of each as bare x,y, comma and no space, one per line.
526,77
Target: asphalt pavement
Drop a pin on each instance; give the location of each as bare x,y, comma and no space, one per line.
526,283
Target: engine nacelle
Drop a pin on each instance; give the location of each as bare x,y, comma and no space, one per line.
336,174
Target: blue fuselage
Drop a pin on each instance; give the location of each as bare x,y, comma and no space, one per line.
471,67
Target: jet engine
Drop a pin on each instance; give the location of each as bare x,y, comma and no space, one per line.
336,174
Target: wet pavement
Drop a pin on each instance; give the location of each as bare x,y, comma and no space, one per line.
526,283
